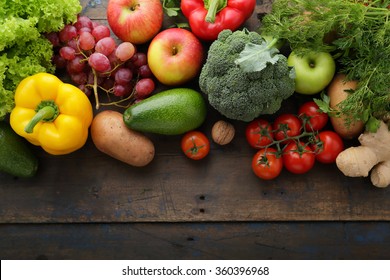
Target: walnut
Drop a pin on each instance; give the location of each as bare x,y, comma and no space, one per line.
222,132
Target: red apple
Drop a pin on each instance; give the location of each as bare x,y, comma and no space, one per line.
135,21
175,56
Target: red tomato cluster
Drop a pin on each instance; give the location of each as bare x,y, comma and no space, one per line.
294,142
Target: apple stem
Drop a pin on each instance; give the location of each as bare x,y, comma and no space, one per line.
214,7
134,7
174,51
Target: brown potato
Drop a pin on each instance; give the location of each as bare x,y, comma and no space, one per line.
112,137
336,92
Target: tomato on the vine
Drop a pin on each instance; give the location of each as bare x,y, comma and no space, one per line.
329,147
195,145
298,157
259,133
286,125
267,164
316,120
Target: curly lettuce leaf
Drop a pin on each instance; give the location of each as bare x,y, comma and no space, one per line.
20,62
15,30
6,102
25,61
23,49
6,96
51,14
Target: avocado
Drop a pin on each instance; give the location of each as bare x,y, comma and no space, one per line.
170,112
15,156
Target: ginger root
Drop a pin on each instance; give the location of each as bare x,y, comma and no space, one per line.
373,156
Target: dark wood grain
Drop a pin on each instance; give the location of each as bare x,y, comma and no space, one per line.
194,241
88,186
86,205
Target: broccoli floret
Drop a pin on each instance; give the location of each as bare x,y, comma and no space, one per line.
238,94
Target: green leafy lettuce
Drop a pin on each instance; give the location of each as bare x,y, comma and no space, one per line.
24,50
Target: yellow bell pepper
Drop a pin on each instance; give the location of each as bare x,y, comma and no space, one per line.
51,114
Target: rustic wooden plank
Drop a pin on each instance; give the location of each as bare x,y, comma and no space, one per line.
362,241
88,186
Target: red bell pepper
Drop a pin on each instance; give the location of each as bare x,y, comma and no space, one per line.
209,17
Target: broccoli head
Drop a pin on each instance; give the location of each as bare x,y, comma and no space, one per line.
236,92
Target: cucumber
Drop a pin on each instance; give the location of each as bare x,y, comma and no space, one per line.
15,156
170,112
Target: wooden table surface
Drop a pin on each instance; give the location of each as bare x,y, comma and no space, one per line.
86,205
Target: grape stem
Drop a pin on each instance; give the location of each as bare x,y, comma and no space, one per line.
95,89
117,103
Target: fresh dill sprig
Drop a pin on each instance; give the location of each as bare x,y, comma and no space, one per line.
357,33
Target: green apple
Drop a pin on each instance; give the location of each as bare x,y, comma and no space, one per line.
314,71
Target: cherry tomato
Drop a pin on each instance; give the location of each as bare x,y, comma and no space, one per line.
298,159
195,145
259,133
286,124
266,164
316,120
329,148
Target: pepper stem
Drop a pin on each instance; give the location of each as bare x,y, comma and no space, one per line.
214,6
46,111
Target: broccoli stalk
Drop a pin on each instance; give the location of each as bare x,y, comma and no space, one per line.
244,77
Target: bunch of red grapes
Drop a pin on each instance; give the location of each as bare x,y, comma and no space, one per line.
95,61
